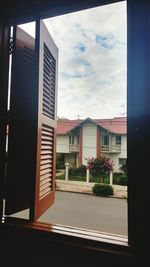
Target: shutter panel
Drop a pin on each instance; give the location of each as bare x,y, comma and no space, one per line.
32,133
22,124
47,55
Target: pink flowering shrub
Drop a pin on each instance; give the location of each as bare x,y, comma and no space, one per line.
100,166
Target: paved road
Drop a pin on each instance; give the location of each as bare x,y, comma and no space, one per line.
86,211
89,212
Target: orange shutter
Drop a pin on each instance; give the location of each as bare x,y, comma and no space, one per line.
32,129
47,63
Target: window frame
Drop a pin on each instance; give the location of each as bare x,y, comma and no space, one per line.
105,139
71,139
138,111
118,142
123,161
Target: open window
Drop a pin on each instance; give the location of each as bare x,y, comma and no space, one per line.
30,181
138,143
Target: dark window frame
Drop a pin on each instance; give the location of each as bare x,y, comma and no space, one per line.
71,139
122,161
118,142
138,113
105,140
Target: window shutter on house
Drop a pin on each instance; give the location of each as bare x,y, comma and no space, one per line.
32,127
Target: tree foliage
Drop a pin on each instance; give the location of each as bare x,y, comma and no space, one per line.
100,166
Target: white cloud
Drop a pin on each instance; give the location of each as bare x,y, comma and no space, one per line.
92,61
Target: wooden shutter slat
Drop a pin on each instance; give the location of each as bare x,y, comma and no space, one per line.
47,152
45,171
43,167
45,157
44,181
45,186
45,131
48,138
47,175
46,161
49,80
46,142
44,193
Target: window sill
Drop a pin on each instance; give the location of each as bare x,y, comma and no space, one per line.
66,237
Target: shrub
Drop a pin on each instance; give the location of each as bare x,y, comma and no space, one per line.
81,171
102,190
120,179
97,179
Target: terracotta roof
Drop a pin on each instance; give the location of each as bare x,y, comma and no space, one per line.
116,125
64,126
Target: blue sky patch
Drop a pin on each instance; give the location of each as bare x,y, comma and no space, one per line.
80,47
107,41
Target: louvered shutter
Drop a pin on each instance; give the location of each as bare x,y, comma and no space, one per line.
47,60
32,129
22,124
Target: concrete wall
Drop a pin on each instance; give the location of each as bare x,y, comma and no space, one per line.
62,144
89,141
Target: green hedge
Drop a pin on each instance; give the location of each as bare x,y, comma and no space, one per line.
79,174
120,179
81,171
102,190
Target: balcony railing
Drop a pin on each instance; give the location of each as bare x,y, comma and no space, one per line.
73,148
111,149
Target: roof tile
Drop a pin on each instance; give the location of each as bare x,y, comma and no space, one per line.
116,125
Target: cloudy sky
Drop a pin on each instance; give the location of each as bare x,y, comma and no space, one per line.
92,61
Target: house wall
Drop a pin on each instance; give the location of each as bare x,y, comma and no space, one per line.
89,141
123,153
115,156
62,144
115,159
89,146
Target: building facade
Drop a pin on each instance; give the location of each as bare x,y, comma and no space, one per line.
78,140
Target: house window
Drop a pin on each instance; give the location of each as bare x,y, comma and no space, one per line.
71,139
118,139
105,140
122,161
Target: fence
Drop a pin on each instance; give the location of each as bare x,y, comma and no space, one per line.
87,174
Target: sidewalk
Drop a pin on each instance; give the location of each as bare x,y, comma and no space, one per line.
86,188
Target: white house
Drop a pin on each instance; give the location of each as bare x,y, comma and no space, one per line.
78,140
